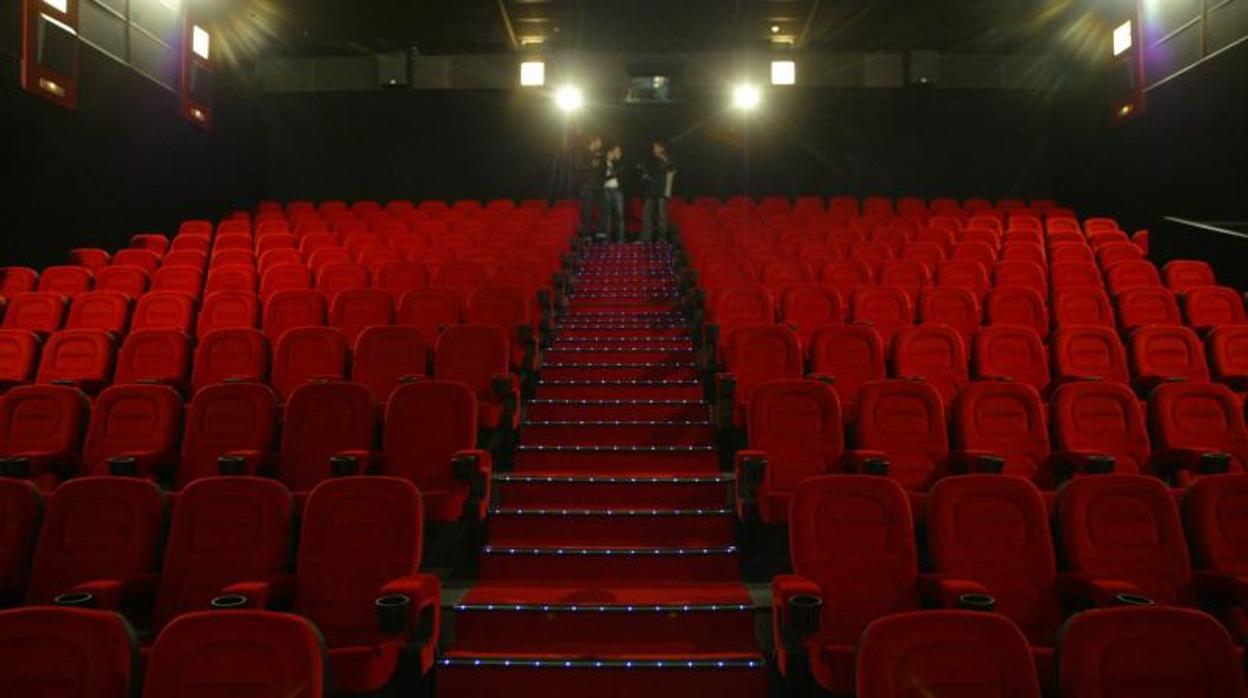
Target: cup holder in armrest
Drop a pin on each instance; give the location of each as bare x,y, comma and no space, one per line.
229,602
232,465
1133,600
393,612
977,602
15,467
1100,465
123,466
343,466
75,599
875,466
1215,463
805,609
990,464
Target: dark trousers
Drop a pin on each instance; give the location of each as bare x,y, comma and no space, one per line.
654,218
611,222
589,196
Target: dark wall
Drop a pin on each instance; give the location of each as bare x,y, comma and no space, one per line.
1184,156
123,162
416,144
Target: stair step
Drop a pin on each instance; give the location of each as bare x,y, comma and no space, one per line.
613,461
605,410
620,527
619,565
631,390
575,332
633,356
606,621
606,491
609,434
580,372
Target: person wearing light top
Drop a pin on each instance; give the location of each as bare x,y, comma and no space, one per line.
657,176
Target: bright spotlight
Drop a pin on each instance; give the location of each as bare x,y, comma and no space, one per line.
746,97
1122,38
201,41
61,6
532,74
569,98
783,73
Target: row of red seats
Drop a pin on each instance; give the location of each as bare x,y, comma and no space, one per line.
98,545
796,429
1122,541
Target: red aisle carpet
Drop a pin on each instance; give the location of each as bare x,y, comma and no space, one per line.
611,569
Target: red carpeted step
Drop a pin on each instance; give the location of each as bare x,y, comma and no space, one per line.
606,621
624,390
523,526
620,354
629,410
680,491
618,433
620,371
637,332
615,459
606,564
654,344
732,675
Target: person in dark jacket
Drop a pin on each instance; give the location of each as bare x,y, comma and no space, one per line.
658,173
587,168
611,221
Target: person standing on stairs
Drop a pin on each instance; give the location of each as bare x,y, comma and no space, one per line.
658,174
587,176
611,221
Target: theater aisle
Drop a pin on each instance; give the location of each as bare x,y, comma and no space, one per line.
611,569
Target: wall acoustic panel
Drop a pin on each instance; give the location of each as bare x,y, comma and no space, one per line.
50,51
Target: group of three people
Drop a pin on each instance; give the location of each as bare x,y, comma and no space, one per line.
600,183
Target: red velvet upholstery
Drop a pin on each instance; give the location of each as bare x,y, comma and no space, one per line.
292,309
1190,419
1212,306
155,356
935,353
1183,275
1082,306
1098,418
228,419
36,312
479,356
1025,307
19,355
99,310
904,421
21,507
44,424
1011,351
306,353
228,310
1003,419
354,310
886,308
385,355
139,421
431,310
321,420
850,356
230,355
66,651
1084,351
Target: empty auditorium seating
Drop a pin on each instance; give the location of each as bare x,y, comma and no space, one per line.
164,310
228,310
58,651
1184,275
82,358
900,424
431,310
307,353
886,308
933,353
1147,306
754,355
323,421
19,355
155,356
36,312
852,548
955,307
1082,306
794,427
237,420
22,506
131,282
431,440
385,356
66,281
1000,427
1096,420
1207,307
734,307
99,310
1089,352
805,309
292,309
1198,428
100,537
133,431
1020,306
1149,653
1159,354
230,355
479,356
944,653
509,309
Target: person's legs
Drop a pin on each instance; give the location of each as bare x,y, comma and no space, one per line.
617,215
661,204
647,219
587,211
604,214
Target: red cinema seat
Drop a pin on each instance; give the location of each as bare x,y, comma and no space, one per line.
929,254
431,310
902,422
945,654
1198,429
781,274
15,280
1083,352
886,308
156,242
1082,306
1011,352
851,540
1023,307
1147,653
36,312
100,536
233,277
430,439
147,260
65,280
99,310
1121,535
1075,275
324,420
795,432
1213,518
463,277
285,277
278,256
511,310
954,307
1141,306
183,259
307,353
228,310
286,310
133,431
397,278
41,428
268,654
223,531
183,279
385,356
92,258
19,355
911,275
1001,427
478,355
1137,274
337,277
1207,307
990,536
230,355
1095,420
155,356
354,311
1184,275
1159,354
755,355
47,650
963,274
805,309
733,307
1228,356
1071,253
338,579
848,356
129,281
164,310
847,275
21,506
81,358
933,353
234,420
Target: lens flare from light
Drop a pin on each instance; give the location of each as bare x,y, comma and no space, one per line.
569,98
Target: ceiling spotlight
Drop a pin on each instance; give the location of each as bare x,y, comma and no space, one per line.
532,74
1122,38
201,41
775,29
783,73
569,98
746,97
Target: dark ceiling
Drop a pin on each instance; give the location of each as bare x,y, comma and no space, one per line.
491,26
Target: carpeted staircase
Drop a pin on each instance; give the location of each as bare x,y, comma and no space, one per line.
611,569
